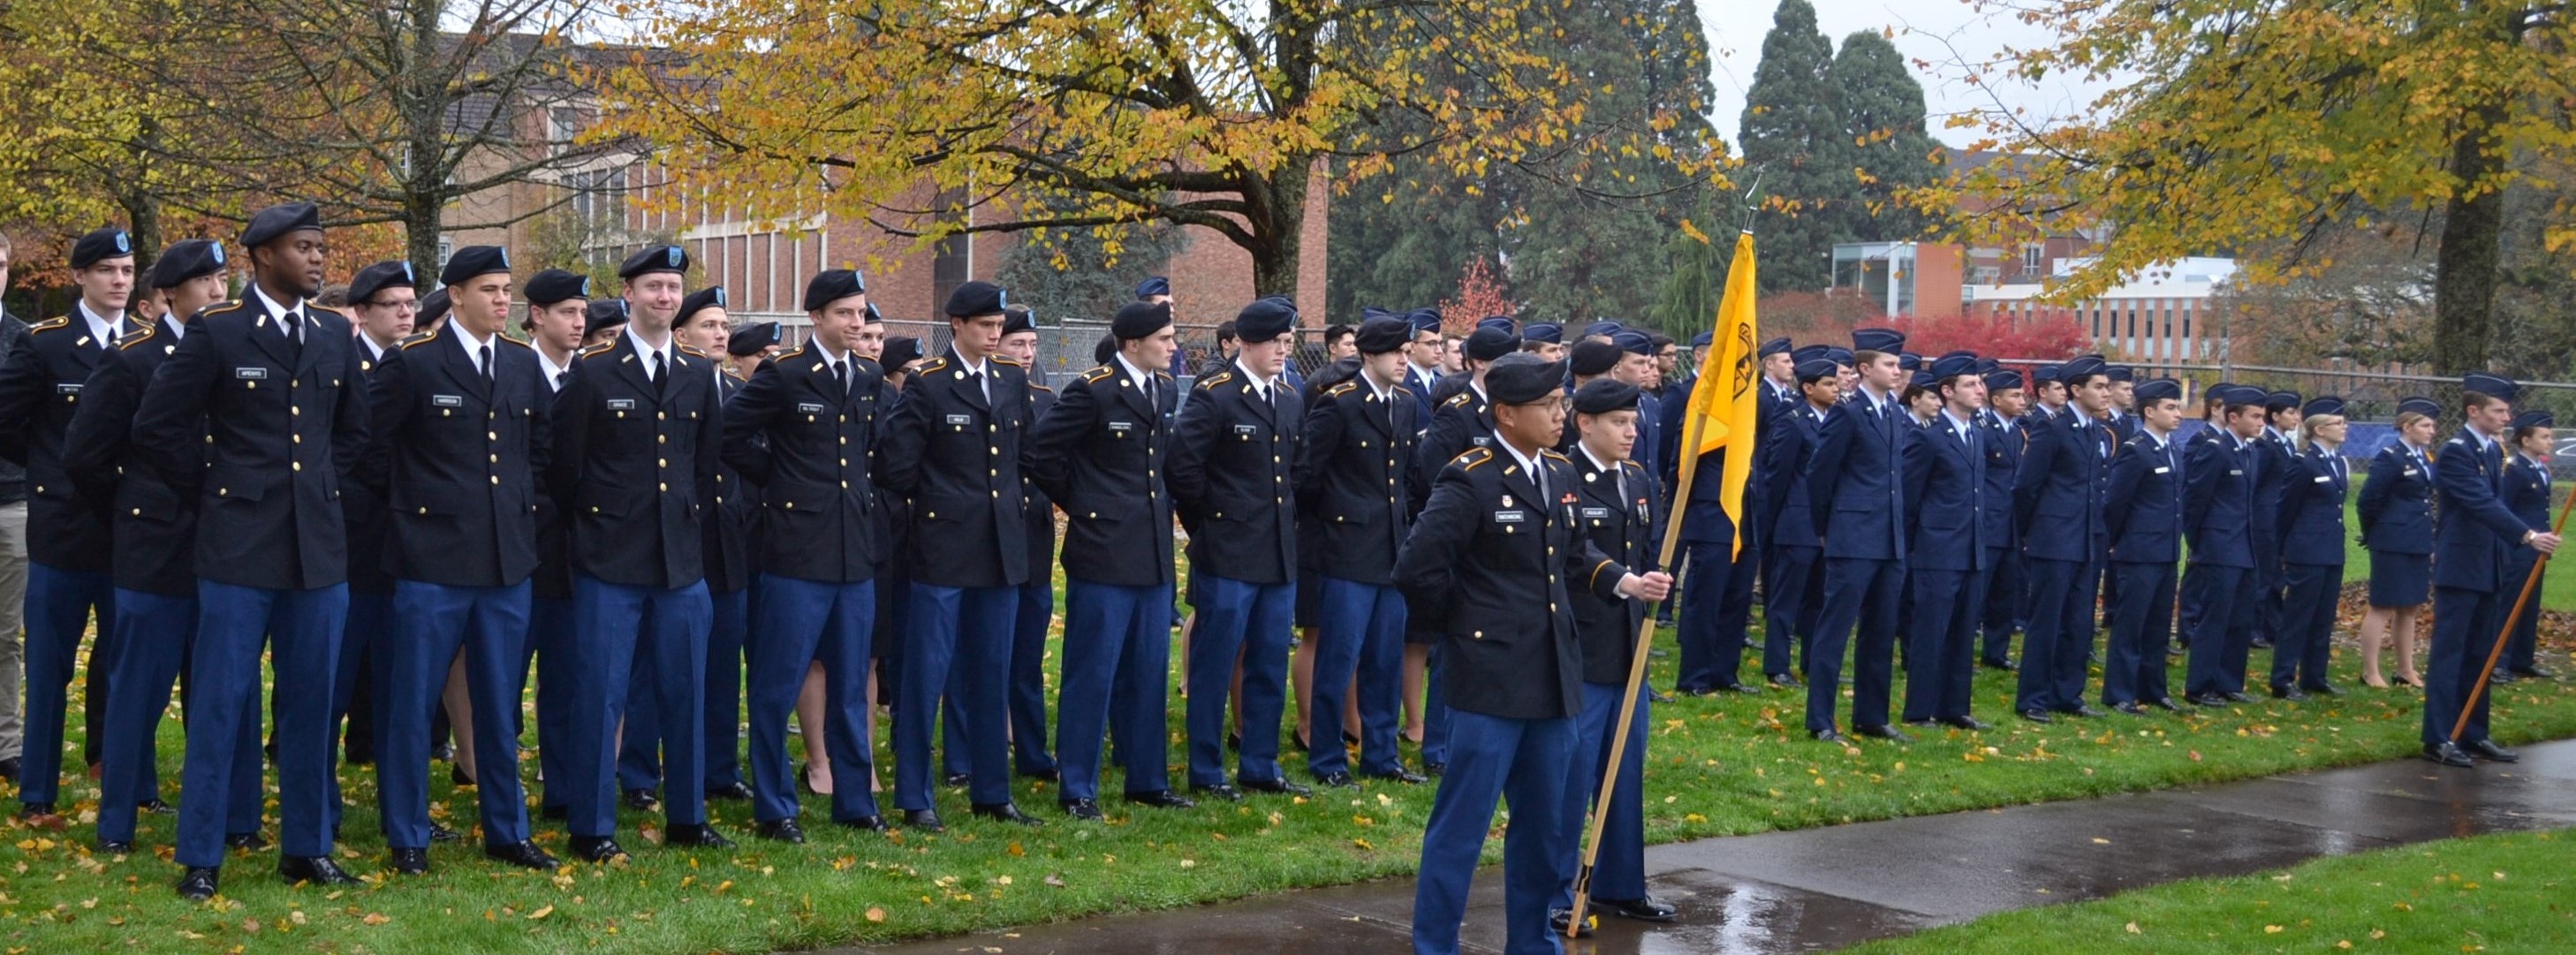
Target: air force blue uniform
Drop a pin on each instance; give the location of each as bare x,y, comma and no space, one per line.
1794,600
2064,478
2218,511
2006,589
2312,546
2142,517
1856,494
2473,544
1945,483
1718,603
2526,493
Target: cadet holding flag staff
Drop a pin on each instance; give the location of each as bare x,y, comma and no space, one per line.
266,381
633,463
460,420
1494,566
2473,543
2527,494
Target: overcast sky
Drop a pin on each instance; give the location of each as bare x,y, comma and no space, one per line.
1937,31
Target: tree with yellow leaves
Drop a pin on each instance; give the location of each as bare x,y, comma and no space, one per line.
2262,124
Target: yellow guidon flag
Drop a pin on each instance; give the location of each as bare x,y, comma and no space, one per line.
1724,408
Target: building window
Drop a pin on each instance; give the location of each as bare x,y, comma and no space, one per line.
2031,254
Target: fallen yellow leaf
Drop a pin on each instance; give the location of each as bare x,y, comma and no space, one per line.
876,914
541,913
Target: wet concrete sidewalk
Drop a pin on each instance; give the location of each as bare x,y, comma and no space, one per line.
1817,889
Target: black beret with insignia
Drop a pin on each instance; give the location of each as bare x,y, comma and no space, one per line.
471,262
976,298
1523,379
556,285
1140,319
101,245
187,259
379,277
278,220
832,285
1602,396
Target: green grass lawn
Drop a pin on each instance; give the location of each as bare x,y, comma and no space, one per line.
1717,766
2499,893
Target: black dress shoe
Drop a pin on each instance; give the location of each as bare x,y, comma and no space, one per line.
2325,689
2210,699
1556,919
697,835
2260,643
869,823
2535,672
1159,798
2502,677
926,820
1657,696
1643,910
1785,681
1336,780
1044,775
247,841
2486,749
2237,696
1969,723
1435,770
1830,736
640,800
1299,740
733,792
2165,703
36,810
198,884
1883,731
1738,688
2129,707
1400,775
410,861
1218,791
1006,812
2448,753
2082,710
782,830
456,776
443,752
1082,809
298,870
154,807
2036,715
959,779
2004,665
2290,693
111,847
554,813
437,833
523,854
1281,786
600,849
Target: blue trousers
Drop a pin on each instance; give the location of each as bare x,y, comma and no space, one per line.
1941,653
968,630
489,625
550,644
1791,608
1860,593
360,667
59,605
154,632
2522,648
1116,639
805,622
1028,705
2303,644
2005,588
1251,622
1619,869
1361,632
2195,592
301,629
2464,632
2061,632
2133,671
612,625
2225,637
638,763
1435,706
1525,762
1716,606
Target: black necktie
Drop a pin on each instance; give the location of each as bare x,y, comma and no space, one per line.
290,327
561,377
658,375
486,359
841,376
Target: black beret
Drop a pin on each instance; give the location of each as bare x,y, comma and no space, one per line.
2493,386
976,298
751,339
379,277
472,261
187,259
100,245
604,313
1384,334
1603,395
1139,319
2158,389
1102,349
1523,379
1487,344
651,259
274,221
556,285
832,285
433,309
1017,318
874,317
712,296
1594,358
1265,319
1149,288
900,350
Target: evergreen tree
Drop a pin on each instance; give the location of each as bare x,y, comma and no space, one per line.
1693,280
1400,240
1883,112
1086,273
1795,137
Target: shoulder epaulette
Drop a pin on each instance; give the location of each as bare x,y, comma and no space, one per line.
596,349
693,350
1040,387
1399,390
1342,389
1459,399
421,339
310,308
1096,374
1474,458
864,358
1214,380
516,341
50,324
1551,453
137,337
2463,442
934,364
1007,360
1164,375
800,349
730,373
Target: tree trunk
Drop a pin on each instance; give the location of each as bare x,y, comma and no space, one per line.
1278,226
2472,242
142,208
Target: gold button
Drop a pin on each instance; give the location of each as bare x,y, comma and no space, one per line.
295,410
491,436
658,416
496,459
426,510
666,488
295,438
299,465
661,462
138,512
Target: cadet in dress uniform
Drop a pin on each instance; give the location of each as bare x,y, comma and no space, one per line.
1796,597
2005,422
1352,476
2195,581
268,380
2273,451
1615,511
1422,361
2312,547
1544,339
381,305
1231,458
2217,509
459,425
1463,419
636,435
1945,503
70,573
1856,495
1495,564
954,448
155,560
2395,511
2064,477
2474,540
801,432
1637,367
1030,756
2122,422
2142,517
2526,493
1102,452
1717,605
559,309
